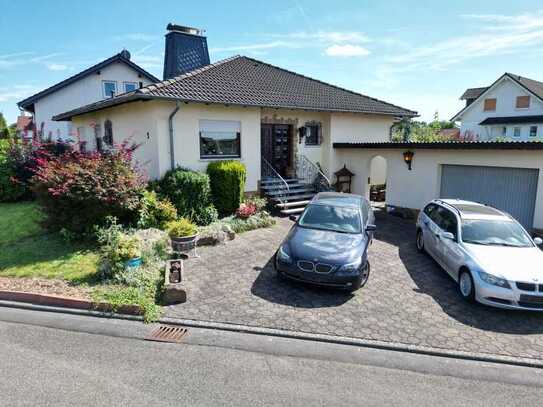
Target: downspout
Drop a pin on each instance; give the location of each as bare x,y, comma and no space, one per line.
170,127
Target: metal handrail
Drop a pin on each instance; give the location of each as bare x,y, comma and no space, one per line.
269,171
311,173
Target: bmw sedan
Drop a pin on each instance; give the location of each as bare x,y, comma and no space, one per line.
329,242
487,252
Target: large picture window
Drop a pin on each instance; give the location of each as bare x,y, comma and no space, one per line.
220,139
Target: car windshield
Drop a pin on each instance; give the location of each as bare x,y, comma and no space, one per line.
494,233
335,218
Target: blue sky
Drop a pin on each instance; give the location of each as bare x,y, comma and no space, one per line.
418,54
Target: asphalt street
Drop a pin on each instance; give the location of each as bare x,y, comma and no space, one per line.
49,359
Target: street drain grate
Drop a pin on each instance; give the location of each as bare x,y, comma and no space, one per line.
164,333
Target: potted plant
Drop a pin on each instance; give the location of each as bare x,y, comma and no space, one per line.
182,231
129,251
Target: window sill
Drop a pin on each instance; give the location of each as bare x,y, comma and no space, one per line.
312,145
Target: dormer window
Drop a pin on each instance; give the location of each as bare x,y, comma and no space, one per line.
490,105
523,102
109,88
130,86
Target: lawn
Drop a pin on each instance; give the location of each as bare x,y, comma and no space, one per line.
28,251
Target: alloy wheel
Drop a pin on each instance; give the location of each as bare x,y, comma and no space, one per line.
466,285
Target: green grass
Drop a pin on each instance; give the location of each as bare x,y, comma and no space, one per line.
27,251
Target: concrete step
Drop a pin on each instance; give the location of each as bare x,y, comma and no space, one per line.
292,204
296,191
271,187
292,211
272,181
299,197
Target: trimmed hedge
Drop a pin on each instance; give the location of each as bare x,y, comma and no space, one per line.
189,192
227,181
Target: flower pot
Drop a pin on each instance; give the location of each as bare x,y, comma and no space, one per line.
185,239
134,262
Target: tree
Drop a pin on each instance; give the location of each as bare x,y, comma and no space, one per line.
4,132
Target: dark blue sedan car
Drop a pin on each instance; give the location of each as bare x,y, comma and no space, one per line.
328,245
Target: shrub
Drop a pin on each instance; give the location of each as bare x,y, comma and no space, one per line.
189,192
206,215
257,221
227,181
77,191
259,203
116,247
155,212
181,228
10,190
246,210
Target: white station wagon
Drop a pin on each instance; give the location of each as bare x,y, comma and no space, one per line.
487,252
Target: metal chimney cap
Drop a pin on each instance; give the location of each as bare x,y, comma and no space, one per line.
184,29
125,54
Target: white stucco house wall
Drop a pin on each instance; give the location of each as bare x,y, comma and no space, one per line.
115,75
237,97
509,109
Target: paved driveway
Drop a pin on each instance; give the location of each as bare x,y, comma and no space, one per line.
408,298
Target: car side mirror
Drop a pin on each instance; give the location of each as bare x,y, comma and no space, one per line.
294,218
371,228
538,241
447,235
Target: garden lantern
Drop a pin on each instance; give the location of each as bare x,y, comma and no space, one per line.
408,158
343,179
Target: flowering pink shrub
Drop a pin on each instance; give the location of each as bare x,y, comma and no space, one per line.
246,210
79,190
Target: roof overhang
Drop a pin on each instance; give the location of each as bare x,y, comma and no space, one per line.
447,145
512,120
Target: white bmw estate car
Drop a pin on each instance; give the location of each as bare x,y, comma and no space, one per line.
487,252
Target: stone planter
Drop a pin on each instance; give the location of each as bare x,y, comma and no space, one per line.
185,244
174,289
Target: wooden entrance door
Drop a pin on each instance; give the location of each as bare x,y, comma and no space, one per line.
276,146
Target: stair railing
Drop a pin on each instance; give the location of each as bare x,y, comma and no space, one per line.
281,187
310,173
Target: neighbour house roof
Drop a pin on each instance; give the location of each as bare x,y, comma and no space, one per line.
513,120
532,86
123,56
448,145
24,123
472,93
245,81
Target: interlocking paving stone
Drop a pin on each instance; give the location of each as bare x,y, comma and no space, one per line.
408,298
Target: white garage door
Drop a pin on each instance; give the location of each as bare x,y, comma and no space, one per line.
513,190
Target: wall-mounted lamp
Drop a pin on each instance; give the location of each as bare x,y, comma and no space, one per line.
408,158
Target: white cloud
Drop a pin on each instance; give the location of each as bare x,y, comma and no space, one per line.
136,37
57,67
16,92
346,50
332,36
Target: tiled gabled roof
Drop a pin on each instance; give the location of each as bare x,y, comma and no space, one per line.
248,82
472,93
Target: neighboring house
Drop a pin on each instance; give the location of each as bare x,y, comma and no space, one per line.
104,80
509,109
25,129
238,108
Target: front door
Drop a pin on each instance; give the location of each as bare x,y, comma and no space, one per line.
276,146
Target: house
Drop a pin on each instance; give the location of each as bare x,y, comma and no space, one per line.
279,123
25,129
509,109
113,76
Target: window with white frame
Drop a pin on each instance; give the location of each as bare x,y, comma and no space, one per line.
130,86
516,132
109,88
533,131
312,134
220,139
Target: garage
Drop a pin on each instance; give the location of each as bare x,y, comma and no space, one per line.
513,190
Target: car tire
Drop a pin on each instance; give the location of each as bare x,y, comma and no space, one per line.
466,286
420,241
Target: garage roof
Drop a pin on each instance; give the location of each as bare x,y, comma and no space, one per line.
449,145
512,120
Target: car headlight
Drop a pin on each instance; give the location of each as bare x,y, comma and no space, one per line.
351,268
283,256
493,280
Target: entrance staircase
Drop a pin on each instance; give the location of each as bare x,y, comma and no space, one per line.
291,195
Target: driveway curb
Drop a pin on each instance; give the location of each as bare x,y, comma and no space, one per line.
340,340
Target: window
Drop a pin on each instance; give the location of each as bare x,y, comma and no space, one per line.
523,102
490,105
110,88
108,132
430,209
220,139
98,136
334,218
130,86
533,131
504,131
516,132
312,135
